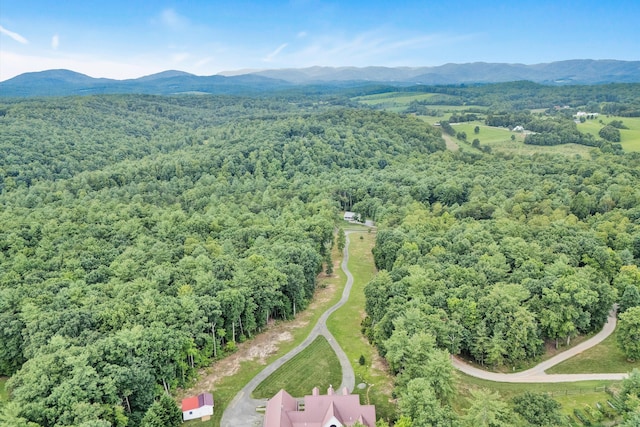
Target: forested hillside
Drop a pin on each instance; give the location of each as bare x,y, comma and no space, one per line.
141,237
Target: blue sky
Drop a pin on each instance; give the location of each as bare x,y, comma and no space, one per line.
131,38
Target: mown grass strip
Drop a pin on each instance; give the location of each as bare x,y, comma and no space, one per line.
315,366
344,324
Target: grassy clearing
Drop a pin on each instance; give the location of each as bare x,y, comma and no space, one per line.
4,395
570,395
344,324
630,138
226,389
499,139
606,357
315,366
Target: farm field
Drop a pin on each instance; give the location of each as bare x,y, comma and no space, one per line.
630,138
499,139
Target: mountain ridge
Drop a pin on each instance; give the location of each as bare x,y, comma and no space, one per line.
62,82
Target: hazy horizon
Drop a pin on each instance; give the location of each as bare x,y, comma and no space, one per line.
122,40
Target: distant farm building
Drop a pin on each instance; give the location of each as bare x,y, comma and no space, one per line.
518,129
200,406
330,410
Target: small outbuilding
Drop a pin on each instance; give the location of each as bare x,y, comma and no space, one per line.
350,216
200,406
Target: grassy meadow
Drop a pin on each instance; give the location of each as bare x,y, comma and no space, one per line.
630,138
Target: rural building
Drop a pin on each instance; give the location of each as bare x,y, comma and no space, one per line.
330,410
350,216
200,406
518,129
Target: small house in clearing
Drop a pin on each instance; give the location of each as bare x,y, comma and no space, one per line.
350,216
200,406
330,410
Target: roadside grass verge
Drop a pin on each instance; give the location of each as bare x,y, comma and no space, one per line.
570,395
227,388
605,357
344,324
315,366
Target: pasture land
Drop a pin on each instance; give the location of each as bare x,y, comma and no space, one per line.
629,138
499,139
605,357
315,366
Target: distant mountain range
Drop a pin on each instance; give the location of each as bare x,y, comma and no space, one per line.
65,82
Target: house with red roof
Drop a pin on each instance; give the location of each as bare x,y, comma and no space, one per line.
330,410
200,406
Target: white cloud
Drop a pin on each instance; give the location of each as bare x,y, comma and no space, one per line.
173,20
180,57
17,37
302,34
270,57
55,41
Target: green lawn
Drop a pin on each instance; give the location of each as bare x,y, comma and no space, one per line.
630,138
344,324
315,366
226,389
606,357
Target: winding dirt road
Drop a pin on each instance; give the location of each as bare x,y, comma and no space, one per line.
537,374
241,412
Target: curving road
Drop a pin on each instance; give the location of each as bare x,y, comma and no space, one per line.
241,412
537,374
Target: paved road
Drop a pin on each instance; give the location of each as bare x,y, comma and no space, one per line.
537,374
241,412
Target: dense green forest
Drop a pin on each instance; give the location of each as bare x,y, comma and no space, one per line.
141,237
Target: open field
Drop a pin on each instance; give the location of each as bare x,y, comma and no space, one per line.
499,139
315,366
344,324
630,138
606,357
226,385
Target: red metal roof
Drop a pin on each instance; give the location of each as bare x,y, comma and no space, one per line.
190,403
